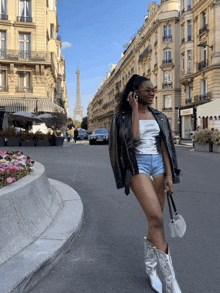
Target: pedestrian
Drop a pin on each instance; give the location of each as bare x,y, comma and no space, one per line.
75,134
143,157
71,134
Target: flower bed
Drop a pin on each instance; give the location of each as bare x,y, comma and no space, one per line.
14,166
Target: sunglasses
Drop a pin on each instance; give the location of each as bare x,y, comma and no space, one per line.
153,90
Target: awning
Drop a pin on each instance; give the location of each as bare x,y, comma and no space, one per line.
211,109
30,105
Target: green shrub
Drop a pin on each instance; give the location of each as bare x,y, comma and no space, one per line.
9,132
203,136
39,136
216,137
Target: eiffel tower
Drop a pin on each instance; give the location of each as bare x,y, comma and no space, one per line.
78,108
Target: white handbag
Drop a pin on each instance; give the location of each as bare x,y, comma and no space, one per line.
177,223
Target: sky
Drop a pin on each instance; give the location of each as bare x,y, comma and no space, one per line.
93,34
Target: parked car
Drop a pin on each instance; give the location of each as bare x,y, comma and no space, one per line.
82,134
100,135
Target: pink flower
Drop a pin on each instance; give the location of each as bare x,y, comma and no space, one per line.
14,179
9,180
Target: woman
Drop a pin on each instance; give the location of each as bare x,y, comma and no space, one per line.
143,156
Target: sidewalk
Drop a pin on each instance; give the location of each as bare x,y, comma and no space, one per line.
186,142
21,272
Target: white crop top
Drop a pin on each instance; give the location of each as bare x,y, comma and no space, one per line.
149,139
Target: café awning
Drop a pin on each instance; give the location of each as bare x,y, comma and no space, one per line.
207,110
31,105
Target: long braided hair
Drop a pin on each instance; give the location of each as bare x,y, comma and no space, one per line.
133,84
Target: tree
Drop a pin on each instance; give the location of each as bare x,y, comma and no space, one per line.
84,123
77,123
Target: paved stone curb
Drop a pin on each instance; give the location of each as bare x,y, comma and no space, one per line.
24,270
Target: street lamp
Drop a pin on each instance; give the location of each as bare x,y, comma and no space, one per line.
204,45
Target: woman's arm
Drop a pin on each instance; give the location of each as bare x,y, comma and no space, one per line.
166,159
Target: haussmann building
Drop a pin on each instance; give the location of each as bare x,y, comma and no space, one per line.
32,68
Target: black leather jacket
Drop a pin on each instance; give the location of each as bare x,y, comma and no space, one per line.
121,148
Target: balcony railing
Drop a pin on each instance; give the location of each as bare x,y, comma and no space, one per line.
188,101
147,51
24,89
3,88
3,17
24,18
183,40
24,56
167,85
203,29
189,7
204,97
167,61
167,38
202,65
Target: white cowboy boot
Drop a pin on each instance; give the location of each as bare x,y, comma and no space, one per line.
167,269
151,263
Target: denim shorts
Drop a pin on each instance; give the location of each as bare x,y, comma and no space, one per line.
151,164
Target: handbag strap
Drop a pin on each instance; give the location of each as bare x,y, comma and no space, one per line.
170,209
173,203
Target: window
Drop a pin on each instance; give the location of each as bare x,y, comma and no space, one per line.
170,122
183,34
167,55
51,4
2,44
189,30
189,4
2,81
24,46
188,92
167,76
167,33
24,82
155,80
3,10
203,19
52,31
25,11
203,54
167,102
183,62
203,87
189,59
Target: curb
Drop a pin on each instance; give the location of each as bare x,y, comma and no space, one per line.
25,269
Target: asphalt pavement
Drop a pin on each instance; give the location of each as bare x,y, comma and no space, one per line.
108,254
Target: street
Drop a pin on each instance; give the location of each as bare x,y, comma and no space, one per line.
108,254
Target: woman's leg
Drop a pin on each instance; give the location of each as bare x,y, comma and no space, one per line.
158,181
145,191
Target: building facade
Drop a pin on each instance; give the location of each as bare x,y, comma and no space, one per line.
154,53
178,48
200,64
32,68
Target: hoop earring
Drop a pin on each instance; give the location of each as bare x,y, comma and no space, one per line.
136,98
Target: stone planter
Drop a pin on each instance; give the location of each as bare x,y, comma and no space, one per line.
203,147
59,140
28,143
2,141
42,143
216,148
14,141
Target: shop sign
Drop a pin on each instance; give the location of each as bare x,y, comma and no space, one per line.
186,112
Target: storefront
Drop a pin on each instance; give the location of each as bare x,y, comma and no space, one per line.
208,115
187,122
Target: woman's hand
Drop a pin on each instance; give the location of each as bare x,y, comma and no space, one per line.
168,184
132,100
